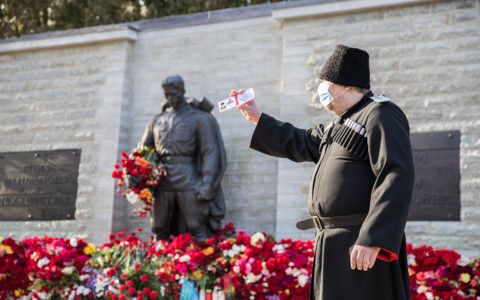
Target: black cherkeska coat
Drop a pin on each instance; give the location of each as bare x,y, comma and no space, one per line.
363,165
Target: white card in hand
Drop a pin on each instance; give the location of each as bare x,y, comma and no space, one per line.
226,104
244,97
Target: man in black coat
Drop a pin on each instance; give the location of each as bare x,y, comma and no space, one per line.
362,183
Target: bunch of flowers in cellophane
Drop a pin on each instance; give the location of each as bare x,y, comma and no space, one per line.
122,270
55,267
137,176
13,273
440,274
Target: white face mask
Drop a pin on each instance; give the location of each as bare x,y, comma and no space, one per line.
324,94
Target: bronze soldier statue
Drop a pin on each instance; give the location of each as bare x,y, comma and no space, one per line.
188,140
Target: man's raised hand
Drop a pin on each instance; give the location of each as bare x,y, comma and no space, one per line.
249,110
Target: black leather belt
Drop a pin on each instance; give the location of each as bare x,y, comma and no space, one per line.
331,222
177,159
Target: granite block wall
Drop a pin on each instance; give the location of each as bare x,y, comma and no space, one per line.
62,98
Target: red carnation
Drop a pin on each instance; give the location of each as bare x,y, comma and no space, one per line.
129,283
144,278
138,266
141,185
131,290
111,272
153,294
122,287
117,174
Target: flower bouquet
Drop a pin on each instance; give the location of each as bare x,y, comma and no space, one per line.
137,175
121,269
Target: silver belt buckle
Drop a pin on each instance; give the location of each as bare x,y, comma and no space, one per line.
317,223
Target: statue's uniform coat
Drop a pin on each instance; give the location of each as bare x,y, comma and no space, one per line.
191,147
363,165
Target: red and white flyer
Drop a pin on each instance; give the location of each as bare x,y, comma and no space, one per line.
231,102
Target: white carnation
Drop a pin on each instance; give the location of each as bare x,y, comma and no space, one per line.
421,289
296,273
236,249
302,280
42,295
258,236
185,258
43,262
131,197
74,242
83,277
251,278
279,247
68,270
410,259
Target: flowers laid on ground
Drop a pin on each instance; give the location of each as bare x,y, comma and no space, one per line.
13,272
243,266
137,175
120,269
440,274
260,267
55,266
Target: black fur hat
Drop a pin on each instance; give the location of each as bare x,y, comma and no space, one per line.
347,66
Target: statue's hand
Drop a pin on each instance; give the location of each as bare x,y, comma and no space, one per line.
204,193
131,181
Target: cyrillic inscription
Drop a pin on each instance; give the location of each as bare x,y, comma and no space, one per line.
39,185
436,194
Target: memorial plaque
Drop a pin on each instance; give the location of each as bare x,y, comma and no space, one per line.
436,195
38,185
